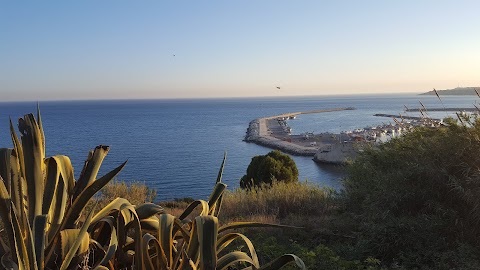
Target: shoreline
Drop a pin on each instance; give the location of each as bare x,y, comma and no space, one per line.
267,131
273,132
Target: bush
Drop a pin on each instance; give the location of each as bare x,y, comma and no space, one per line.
265,169
418,196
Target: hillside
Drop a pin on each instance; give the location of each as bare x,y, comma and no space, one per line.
459,91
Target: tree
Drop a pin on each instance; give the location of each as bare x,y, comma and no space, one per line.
264,169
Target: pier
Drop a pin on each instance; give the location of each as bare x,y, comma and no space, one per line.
445,109
402,116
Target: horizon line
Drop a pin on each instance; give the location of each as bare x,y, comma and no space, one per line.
207,98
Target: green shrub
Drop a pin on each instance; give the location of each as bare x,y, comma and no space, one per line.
419,195
265,169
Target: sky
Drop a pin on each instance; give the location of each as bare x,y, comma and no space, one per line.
119,49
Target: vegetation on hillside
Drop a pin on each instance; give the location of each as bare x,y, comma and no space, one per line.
49,222
417,199
265,169
412,203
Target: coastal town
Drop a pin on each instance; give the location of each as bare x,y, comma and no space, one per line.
336,148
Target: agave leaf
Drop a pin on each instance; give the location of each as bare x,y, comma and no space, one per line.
191,254
99,253
218,204
17,186
186,263
128,214
129,246
165,236
147,210
231,258
5,167
114,205
10,172
180,227
90,169
225,240
150,225
74,211
33,156
56,212
40,127
8,263
80,245
100,267
65,168
39,226
5,214
137,237
180,249
194,205
30,244
25,253
207,238
282,261
247,224
220,172
4,248
18,148
215,196
50,185
156,259
112,245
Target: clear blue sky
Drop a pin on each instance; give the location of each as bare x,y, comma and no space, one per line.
125,49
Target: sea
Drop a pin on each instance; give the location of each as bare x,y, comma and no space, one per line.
176,146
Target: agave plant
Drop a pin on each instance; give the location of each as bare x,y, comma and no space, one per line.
47,226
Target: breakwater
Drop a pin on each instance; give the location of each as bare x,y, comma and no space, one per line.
400,116
258,135
269,132
445,109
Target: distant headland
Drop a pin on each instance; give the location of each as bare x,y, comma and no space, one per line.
458,91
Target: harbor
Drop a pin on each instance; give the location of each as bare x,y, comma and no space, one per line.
336,148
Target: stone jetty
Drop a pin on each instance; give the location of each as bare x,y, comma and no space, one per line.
272,132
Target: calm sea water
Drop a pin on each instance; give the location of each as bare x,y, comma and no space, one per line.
176,146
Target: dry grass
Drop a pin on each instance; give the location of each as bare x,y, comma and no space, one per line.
276,203
287,203
136,193
177,206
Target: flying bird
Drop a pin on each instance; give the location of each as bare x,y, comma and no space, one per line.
278,87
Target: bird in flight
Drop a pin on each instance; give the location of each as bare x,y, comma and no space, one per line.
278,87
